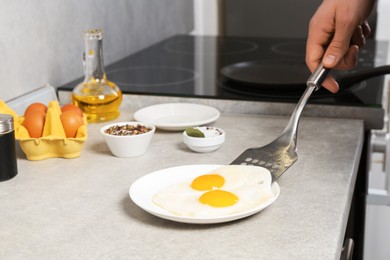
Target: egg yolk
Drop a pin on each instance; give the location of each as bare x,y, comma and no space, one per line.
218,198
208,182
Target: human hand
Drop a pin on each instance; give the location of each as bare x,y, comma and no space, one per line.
336,32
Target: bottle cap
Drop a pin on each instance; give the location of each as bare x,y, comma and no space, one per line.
94,34
6,123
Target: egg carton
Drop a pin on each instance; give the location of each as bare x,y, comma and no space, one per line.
53,142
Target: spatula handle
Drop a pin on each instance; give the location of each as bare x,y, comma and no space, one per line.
318,76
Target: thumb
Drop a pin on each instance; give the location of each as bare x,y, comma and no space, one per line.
337,48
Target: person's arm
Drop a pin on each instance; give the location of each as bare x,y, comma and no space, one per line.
336,32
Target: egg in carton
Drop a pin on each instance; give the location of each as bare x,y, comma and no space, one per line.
53,142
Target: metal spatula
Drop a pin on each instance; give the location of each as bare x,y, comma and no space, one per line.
280,154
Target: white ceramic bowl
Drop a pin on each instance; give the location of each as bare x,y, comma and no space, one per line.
213,140
128,145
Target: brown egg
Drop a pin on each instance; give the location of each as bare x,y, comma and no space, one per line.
68,107
34,122
35,107
71,121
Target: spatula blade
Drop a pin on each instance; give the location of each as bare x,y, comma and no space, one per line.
276,159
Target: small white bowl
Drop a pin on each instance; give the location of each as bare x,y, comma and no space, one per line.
213,140
128,145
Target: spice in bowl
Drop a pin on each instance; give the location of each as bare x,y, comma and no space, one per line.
124,130
128,139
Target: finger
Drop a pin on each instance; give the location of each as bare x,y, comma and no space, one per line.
317,39
350,58
315,50
314,54
358,37
338,47
331,84
348,62
366,29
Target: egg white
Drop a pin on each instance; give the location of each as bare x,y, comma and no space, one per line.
251,184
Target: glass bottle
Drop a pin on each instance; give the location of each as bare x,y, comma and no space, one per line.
98,97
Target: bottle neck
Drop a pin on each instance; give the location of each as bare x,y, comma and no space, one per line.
93,56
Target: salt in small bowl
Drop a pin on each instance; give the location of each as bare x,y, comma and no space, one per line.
213,139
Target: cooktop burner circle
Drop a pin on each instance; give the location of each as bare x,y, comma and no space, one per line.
148,76
296,48
210,46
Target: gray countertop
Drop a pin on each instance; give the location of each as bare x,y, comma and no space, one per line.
80,208
373,117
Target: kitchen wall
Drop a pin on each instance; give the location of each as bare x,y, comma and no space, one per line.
383,32
41,41
267,18
262,18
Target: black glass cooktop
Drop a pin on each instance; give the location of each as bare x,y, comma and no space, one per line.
190,66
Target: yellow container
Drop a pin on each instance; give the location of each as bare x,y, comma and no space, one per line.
53,142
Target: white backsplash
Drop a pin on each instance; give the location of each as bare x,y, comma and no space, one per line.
383,32
42,40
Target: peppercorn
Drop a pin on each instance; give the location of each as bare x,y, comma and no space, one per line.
124,130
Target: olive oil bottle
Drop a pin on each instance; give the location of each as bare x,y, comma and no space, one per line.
98,97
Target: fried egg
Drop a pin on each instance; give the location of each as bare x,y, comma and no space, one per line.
224,191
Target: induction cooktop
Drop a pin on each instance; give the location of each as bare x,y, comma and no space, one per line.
191,66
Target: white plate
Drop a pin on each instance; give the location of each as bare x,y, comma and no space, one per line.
177,116
143,190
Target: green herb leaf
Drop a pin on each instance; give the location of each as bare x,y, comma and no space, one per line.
194,132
